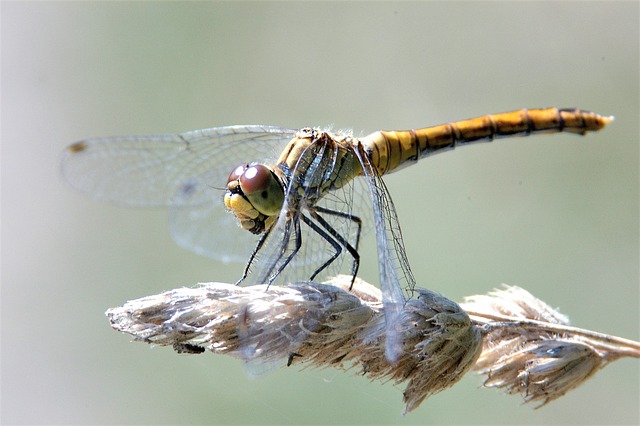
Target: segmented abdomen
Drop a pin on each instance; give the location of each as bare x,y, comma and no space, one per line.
393,150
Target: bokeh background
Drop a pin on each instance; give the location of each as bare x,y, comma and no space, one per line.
557,215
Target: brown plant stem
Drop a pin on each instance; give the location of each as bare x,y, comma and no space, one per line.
615,347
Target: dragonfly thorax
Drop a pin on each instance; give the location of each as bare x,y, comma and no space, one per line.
317,162
255,196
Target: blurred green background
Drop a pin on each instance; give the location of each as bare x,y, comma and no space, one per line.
557,215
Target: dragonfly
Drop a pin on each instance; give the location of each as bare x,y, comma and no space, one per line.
303,198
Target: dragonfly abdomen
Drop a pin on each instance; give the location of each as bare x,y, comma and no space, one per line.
393,150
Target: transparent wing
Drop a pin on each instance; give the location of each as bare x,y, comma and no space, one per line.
394,269
186,172
363,197
339,213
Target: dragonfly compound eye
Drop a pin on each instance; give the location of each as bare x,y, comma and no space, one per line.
237,172
262,189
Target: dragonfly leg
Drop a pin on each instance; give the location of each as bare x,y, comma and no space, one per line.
354,219
336,245
336,237
247,267
283,248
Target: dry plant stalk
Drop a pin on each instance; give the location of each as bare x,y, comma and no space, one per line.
530,349
519,342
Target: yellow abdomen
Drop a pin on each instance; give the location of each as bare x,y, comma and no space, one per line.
392,150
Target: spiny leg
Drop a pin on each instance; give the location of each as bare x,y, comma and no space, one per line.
351,217
283,248
335,244
344,243
247,267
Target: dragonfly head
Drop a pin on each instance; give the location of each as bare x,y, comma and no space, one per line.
255,196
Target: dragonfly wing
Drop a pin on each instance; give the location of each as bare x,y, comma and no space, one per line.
306,238
207,228
394,269
278,246
186,172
